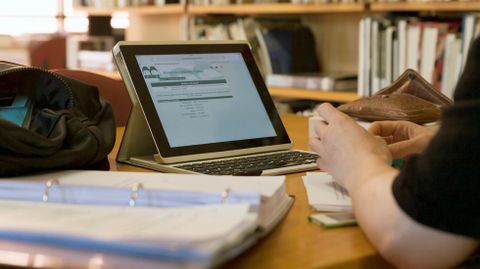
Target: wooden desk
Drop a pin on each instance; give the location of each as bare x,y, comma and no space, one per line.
297,243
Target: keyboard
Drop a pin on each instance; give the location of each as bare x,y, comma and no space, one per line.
254,165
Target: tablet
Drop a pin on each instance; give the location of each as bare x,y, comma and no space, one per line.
201,97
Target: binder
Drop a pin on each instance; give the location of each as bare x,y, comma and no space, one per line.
54,192
164,219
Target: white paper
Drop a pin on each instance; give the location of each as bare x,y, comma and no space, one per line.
178,225
314,120
323,194
265,186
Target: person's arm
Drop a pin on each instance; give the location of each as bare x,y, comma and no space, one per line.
398,238
361,162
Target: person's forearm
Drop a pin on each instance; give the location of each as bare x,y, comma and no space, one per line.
401,240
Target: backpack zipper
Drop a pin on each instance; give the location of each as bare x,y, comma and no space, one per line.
17,68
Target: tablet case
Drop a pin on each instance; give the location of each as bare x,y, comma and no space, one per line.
410,98
138,140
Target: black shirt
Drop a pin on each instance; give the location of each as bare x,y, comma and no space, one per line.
440,188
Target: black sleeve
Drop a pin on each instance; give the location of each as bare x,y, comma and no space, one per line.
440,188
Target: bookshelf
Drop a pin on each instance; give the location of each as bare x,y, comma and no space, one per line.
177,9
290,93
335,27
334,43
274,9
144,20
297,93
426,6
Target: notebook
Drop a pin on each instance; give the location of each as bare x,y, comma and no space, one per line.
202,107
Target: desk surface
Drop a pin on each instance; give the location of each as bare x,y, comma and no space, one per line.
297,243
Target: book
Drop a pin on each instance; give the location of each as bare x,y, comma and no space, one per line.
324,194
397,42
468,25
170,220
402,47
451,66
365,62
361,84
322,82
414,33
430,35
375,59
388,56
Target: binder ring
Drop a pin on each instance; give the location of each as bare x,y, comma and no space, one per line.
134,194
225,195
48,185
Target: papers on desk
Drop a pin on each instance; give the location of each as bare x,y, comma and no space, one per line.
324,194
266,195
184,234
178,218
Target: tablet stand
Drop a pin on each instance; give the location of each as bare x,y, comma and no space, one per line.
137,139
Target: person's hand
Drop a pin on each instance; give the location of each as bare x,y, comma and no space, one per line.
404,138
347,151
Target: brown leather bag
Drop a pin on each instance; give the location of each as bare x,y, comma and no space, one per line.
410,98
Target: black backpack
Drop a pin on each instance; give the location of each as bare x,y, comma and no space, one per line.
69,126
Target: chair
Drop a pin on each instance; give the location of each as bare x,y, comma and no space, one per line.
113,90
50,54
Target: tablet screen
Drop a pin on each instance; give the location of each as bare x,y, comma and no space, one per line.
210,95
201,97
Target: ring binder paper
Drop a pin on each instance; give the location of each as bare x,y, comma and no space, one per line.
175,214
49,184
130,189
134,194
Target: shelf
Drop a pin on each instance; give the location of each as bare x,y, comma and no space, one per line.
296,93
142,10
285,8
426,6
276,8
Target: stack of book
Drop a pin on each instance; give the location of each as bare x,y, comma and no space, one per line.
435,47
322,82
91,52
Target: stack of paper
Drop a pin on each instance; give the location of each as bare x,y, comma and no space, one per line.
169,234
324,194
266,195
196,220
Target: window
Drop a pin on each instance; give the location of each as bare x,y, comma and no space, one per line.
47,16
29,16
74,22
